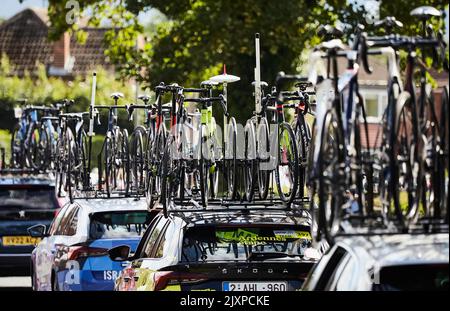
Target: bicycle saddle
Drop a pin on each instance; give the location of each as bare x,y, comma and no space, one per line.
330,32
333,44
116,95
425,12
224,78
262,83
208,83
144,97
302,85
389,22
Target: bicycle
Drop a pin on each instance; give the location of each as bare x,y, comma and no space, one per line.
72,154
114,154
336,161
26,149
141,141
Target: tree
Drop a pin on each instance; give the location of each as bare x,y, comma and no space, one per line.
200,36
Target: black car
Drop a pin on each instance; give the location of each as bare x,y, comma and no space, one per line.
225,251
383,262
24,202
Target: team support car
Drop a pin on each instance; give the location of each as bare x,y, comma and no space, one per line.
25,200
73,254
383,262
222,251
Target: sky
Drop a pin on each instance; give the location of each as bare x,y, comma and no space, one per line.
11,7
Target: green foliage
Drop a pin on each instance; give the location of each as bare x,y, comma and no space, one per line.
43,90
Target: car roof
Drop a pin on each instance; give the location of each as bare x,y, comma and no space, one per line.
400,249
93,205
245,217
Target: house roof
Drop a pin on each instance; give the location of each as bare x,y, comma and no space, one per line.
24,39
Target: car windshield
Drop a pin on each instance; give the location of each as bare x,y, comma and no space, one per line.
241,243
39,198
413,277
113,225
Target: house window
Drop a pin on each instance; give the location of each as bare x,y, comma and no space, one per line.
375,103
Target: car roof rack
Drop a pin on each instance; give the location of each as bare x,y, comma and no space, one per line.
422,226
224,216
224,205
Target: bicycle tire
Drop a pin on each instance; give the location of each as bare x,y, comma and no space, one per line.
330,188
292,163
108,163
204,167
16,160
444,156
250,161
263,150
231,160
401,173
166,177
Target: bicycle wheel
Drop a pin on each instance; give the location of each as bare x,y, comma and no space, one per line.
444,183
204,164
302,146
17,157
71,171
82,160
137,159
167,177
123,156
250,160
431,176
263,153
231,160
404,174
286,173
36,149
330,187
154,170
108,163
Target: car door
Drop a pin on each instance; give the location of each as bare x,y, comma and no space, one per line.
139,273
42,256
130,275
325,270
159,254
66,238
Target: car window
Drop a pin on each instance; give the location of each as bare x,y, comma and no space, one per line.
59,227
159,249
330,268
118,224
337,274
346,275
216,243
69,222
71,228
56,221
142,243
414,277
153,237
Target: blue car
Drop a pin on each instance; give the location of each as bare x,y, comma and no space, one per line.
73,253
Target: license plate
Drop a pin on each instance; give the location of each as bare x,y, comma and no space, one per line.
19,240
254,286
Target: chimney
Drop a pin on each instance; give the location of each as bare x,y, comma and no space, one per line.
61,52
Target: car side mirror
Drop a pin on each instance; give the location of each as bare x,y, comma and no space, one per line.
120,253
38,231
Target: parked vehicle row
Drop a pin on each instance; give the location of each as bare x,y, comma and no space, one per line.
183,204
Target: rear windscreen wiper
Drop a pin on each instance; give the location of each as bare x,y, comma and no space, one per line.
260,256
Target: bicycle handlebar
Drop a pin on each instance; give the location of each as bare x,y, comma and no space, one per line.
220,99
